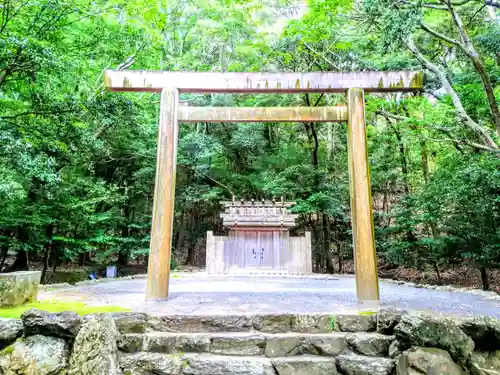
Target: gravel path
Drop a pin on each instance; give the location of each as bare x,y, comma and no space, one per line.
203,294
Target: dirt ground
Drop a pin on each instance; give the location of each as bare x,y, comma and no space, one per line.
463,275
197,293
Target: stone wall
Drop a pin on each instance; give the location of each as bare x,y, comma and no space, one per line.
391,342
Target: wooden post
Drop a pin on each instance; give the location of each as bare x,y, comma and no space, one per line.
363,235
164,197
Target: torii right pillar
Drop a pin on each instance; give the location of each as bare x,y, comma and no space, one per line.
363,234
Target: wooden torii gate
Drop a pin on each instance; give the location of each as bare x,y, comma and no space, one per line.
354,84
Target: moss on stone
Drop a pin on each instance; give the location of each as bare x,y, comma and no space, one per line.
8,350
58,306
368,313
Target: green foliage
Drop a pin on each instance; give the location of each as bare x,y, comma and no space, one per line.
77,163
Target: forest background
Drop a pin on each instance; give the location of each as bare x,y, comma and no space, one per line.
77,163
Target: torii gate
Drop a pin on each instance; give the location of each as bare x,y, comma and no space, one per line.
170,84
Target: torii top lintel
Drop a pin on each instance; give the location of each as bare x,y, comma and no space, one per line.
207,82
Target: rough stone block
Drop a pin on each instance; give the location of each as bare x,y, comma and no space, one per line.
395,349
427,361
485,363
238,344
304,365
130,342
35,355
284,345
10,330
64,324
353,364
273,323
17,288
312,323
152,363
371,344
436,332
484,330
95,351
355,323
187,323
160,342
331,344
222,365
387,319
130,322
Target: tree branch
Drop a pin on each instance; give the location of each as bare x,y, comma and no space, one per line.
35,113
438,35
216,182
319,98
330,62
468,47
456,141
391,115
434,5
459,108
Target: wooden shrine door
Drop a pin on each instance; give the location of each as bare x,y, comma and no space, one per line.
254,250
266,250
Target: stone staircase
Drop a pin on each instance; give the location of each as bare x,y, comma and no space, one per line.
253,345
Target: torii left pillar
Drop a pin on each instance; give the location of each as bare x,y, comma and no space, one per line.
363,236
164,196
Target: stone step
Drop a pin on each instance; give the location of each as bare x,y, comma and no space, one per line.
256,344
209,364
270,323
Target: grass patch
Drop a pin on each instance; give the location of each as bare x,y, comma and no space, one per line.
57,306
332,323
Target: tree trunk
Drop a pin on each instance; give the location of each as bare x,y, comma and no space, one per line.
178,231
123,258
424,160
20,263
45,263
404,163
341,259
436,268
484,278
82,259
3,254
123,254
190,254
49,232
488,88
326,245
314,154
468,47
317,253
195,220
55,262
